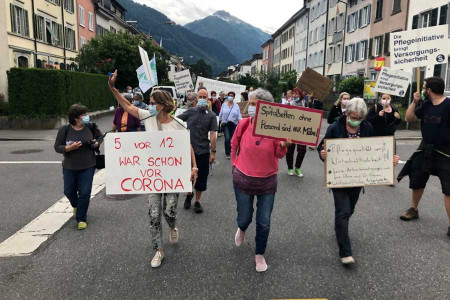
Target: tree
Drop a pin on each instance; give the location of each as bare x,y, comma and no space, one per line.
120,51
201,68
353,85
248,80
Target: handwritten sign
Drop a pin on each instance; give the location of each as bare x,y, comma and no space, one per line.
312,81
278,121
148,162
183,81
221,86
419,47
392,82
359,162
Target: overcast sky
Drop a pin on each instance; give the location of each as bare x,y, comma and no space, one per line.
264,14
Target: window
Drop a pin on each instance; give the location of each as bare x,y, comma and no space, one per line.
68,5
81,15
352,2
387,37
378,46
364,16
330,55
70,39
397,7
112,29
322,32
361,51
379,13
48,31
337,53
340,22
56,2
19,20
349,53
82,41
444,14
22,62
91,21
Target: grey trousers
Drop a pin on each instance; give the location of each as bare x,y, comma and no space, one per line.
161,204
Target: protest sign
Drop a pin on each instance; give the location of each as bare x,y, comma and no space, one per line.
278,121
369,93
392,82
419,47
359,162
148,162
319,85
147,71
144,83
183,81
220,86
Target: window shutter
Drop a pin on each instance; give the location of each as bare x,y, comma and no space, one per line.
415,22
443,17
26,23
386,43
380,53
13,18
365,50
434,16
369,11
371,49
360,18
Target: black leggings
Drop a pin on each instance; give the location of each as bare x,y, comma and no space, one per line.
301,149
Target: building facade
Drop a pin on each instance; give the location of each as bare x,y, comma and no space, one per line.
335,39
267,56
110,17
357,35
287,46
387,16
256,64
431,13
276,61
301,40
86,21
317,34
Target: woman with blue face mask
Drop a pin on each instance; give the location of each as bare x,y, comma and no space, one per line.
350,125
229,116
77,141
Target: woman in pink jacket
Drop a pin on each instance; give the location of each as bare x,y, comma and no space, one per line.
255,167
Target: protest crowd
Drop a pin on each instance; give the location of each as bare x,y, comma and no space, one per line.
254,159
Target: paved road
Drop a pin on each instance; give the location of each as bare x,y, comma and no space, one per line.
111,259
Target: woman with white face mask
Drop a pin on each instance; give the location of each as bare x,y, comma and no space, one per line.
339,107
384,117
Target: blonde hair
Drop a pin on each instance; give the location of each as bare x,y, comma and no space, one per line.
340,98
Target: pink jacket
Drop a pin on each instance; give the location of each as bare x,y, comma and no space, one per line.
258,157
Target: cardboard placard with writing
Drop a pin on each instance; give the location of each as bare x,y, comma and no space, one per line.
392,82
359,162
148,162
278,121
311,81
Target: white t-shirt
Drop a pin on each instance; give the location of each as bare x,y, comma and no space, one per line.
152,125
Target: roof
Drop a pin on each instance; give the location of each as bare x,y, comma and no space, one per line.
267,42
119,5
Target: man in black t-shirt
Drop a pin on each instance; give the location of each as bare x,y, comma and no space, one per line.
433,155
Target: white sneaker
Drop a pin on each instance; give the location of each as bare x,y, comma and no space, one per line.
157,259
261,265
173,235
239,237
347,260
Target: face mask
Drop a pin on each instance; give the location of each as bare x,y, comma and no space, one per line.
129,91
201,103
344,102
152,110
353,123
136,102
252,111
423,96
214,97
85,119
230,99
385,102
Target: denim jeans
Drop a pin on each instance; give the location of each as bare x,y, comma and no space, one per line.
77,188
344,204
228,132
264,207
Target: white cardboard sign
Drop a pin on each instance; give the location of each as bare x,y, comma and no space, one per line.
220,86
183,81
392,82
359,162
419,47
148,162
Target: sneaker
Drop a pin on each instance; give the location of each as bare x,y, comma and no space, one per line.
82,225
228,157
347,260
291,172
410,214
74,211
187,201
261,265
239,237
173,235
299,173
157,259
198,207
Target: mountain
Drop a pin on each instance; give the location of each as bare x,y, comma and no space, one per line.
178,40
242,39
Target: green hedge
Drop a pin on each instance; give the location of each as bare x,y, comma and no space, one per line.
42,94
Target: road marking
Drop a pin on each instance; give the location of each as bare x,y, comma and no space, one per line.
30,162
29,238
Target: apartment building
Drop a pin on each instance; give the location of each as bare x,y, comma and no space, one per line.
357,35
276,61
316,34
256,64
86,21
267,56
301,40
110,17
335,39
431,13
287,46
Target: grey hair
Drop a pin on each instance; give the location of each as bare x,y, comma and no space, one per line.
127,96
357,105
191,96
261,94
139,94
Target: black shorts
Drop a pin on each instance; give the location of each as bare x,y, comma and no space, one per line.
203,171
418,178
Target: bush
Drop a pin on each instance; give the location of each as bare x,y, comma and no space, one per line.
42,94
352,85
4,106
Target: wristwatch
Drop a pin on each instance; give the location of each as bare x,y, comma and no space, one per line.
213,150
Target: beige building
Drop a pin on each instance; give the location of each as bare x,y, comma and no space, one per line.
335,39
287,46
53,43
